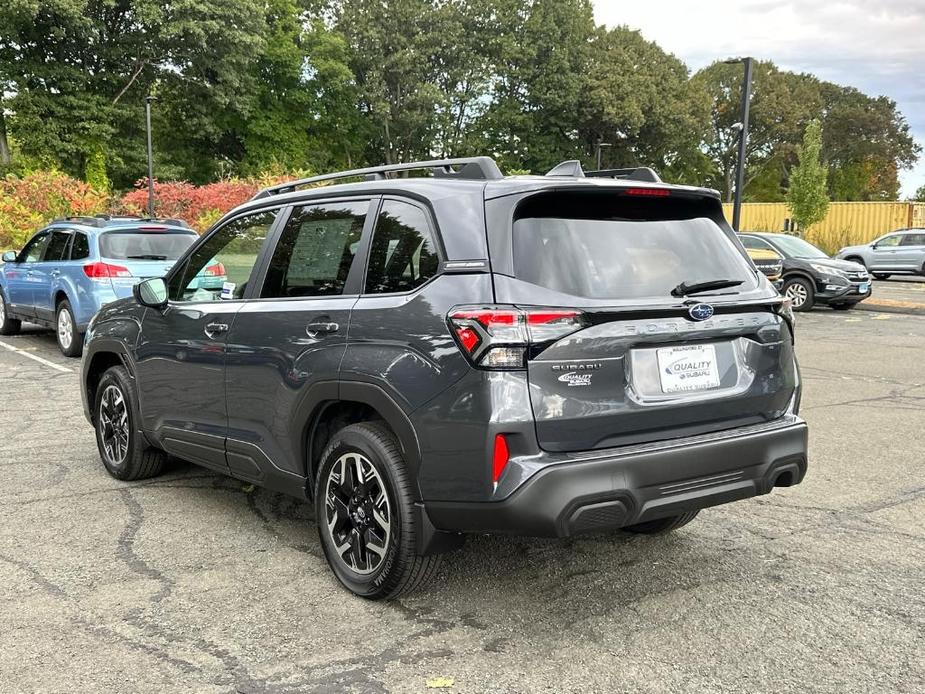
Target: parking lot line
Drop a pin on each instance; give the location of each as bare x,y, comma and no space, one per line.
33,357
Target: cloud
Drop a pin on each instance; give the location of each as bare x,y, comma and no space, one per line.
877,47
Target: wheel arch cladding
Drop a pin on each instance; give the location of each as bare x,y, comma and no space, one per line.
98,364
360,402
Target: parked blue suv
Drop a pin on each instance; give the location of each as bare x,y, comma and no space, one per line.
75,266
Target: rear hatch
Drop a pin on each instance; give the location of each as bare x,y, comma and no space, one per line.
133,254
643,360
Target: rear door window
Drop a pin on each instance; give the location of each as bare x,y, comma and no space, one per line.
610,255
57,245
403,255
145,245
913,240
316,250
80,248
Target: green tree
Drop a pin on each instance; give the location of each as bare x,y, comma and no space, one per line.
807,196
919,195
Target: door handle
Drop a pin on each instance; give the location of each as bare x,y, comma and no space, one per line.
213,329
321,328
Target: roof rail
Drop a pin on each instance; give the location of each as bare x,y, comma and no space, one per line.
87,221
469,168
639,173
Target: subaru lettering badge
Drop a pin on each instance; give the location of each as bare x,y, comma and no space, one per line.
701,311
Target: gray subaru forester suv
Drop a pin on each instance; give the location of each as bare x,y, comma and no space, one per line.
426,357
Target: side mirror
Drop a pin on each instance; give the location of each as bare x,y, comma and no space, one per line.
10,256
152,292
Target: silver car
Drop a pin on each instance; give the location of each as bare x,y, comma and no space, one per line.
899,252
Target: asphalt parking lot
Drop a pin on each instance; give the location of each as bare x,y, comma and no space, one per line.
196,582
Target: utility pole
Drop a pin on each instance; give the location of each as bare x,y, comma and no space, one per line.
743,139
148,101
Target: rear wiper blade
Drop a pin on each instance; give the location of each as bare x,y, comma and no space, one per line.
685,289
146,257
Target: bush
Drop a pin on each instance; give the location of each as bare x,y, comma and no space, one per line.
198,205
29,201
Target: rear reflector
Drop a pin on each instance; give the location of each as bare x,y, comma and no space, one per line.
98,271
648,192
500,458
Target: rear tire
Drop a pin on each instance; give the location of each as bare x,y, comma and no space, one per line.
364,509
8,326
123,450
662,525
800,292
885,275
70,342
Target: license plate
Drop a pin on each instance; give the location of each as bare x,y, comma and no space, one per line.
687,367
862,288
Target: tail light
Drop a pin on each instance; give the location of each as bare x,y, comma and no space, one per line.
99,271
648,192
504,337
215,270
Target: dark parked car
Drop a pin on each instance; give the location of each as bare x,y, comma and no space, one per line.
810,276
463,353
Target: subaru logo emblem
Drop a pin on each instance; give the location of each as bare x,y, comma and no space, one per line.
701,311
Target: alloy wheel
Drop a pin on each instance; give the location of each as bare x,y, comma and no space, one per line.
113,425
358,513
65,329
797,294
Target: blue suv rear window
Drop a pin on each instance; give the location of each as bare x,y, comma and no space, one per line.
145,245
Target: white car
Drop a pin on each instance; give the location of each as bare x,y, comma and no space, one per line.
899,252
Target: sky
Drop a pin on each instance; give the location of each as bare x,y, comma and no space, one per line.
877,46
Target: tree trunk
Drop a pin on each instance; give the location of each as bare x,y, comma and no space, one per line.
5,156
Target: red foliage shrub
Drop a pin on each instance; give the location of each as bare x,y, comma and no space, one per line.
198,205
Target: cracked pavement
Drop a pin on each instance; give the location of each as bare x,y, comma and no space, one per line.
197,582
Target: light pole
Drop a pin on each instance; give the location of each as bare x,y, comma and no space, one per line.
148,101
743,139
598,146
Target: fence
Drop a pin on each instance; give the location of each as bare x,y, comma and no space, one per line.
846,224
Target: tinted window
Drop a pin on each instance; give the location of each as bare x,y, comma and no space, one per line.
57,246
221,267
913,240
145,245
316,250
403,254
620,259
33,250
755,243
80,248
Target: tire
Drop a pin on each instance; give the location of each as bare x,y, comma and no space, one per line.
126,455
884,275
8,326
384,494
800,292
70,342
662,525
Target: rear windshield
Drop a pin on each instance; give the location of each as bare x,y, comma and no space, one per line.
625,259
145,245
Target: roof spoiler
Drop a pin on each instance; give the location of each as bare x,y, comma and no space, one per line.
572,169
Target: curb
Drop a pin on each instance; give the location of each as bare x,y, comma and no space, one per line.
891,306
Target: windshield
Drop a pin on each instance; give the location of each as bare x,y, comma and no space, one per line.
796,247
145,245
621,259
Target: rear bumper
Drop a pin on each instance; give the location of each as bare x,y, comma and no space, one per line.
605,490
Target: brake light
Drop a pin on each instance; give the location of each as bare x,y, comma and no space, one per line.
494,337
97,271
500,458
153,228
215,270
648,192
